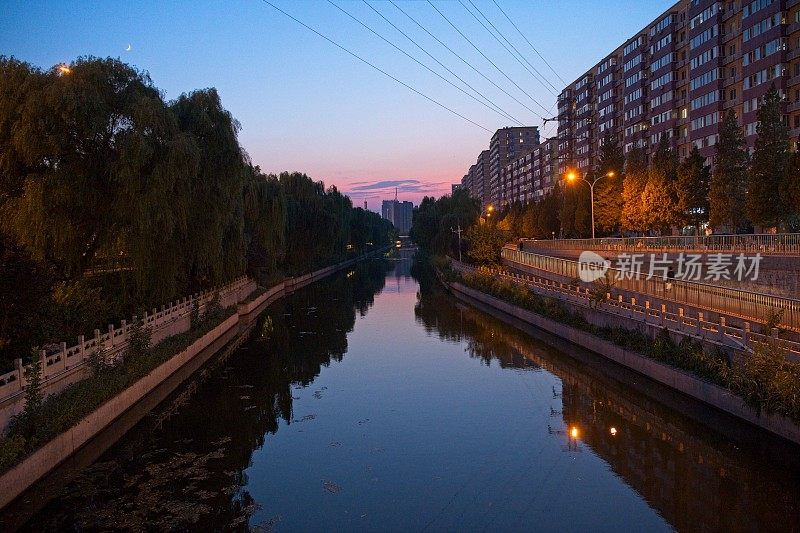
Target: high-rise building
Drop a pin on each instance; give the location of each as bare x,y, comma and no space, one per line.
506,145
399,214
677,76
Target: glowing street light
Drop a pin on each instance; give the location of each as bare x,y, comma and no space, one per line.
613,431
573,432
64,69
571,176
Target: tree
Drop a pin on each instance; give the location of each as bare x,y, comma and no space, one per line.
433,222
547,220
692,190
792,188
658,196
608,192
214,191
485,243
633,216
728,187
765,202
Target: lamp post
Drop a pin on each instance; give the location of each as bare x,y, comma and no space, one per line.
571,177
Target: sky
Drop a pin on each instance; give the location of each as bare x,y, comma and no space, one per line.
306,105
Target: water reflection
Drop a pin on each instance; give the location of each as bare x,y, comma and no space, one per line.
374,401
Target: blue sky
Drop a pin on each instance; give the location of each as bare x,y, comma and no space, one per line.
306,105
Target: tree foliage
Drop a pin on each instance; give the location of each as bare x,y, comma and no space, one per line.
765,201
113,200
692,190
608,192
636,176
729,179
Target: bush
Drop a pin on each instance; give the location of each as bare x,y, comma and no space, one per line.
57,413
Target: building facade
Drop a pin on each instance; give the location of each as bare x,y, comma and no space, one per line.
675,79
398,213
507,144
677,76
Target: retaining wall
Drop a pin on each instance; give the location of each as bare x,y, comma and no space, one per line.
677,379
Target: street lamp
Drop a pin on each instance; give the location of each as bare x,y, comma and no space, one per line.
64,69
571,176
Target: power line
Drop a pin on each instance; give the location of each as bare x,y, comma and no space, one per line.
407,86
489,60
441,64
420,63
540,77
529,43
423,28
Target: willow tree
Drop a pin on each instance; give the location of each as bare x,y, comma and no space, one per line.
102,154
264,222
213,232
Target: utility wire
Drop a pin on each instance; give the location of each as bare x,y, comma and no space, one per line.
423,28
540,77
407,86
529,43
420,63
498,108
489,60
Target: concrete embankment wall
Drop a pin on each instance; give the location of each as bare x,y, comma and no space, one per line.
18,479
677,379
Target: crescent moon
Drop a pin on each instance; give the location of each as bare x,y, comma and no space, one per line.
128,49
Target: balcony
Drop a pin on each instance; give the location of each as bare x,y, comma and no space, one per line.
793,54
791,3
793,28
727,104
792,107
793,81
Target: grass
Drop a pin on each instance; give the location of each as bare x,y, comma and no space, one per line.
765,379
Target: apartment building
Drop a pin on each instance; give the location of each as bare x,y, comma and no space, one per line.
476,180
507,144
677,76
531,175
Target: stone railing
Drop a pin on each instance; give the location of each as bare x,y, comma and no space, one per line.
748,305
779,243
170,320
710,327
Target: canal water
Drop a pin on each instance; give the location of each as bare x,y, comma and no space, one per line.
373,400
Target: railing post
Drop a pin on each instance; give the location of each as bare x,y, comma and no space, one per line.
111,335
746,333
20,372
81,347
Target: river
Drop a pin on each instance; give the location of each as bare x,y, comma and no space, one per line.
373,400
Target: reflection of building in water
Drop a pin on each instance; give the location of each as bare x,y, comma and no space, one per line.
729,478
695,483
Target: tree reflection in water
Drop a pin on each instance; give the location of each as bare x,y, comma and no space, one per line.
188,471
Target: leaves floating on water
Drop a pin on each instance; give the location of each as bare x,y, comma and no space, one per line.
331,487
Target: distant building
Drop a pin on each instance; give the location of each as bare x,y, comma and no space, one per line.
398,213
507,144
455,187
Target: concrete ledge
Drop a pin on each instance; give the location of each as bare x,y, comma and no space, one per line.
675,378
40,462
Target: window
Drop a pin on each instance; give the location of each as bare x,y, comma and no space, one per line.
634,79
632,63
704,58
706,99
752,7
661,80
661,43
633,45
707,35
662,61
704,79
707,120
761,27
704,16
635,95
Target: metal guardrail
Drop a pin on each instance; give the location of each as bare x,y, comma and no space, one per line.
753,306
677,318
779,243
